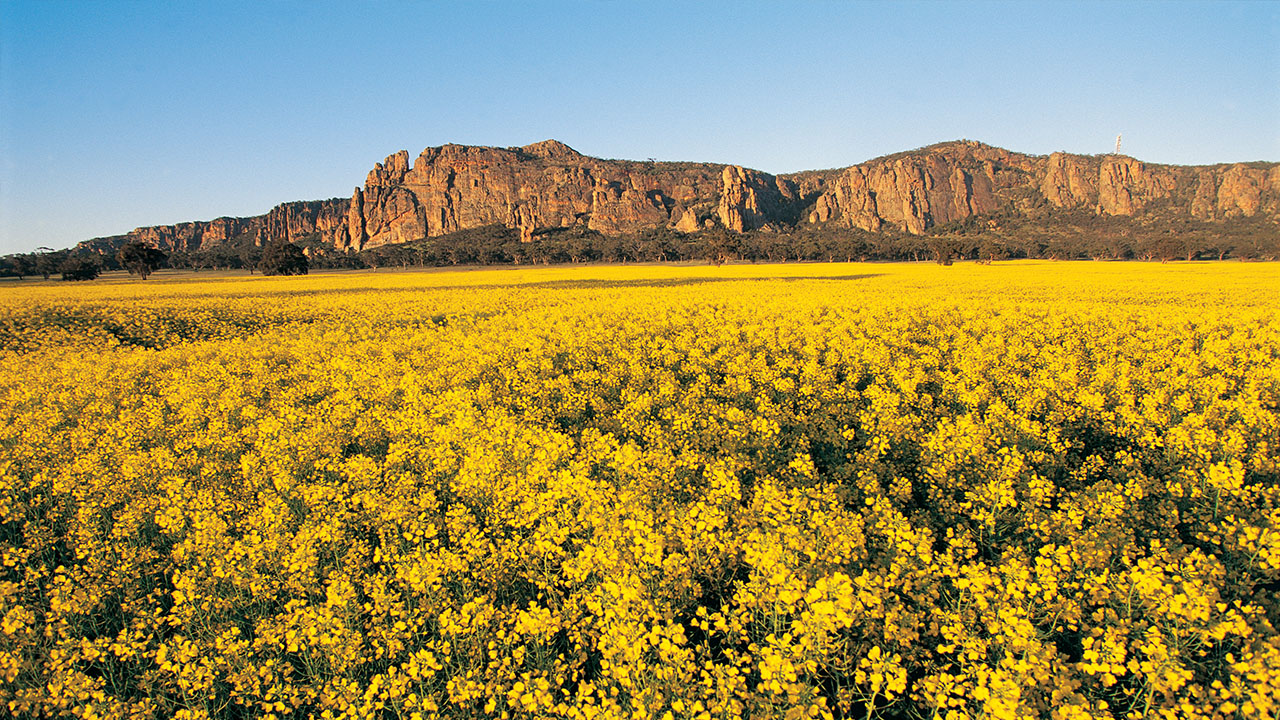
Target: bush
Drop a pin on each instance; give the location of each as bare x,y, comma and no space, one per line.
141,259
283,259
79,267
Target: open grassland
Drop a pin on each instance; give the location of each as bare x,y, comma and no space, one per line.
1010,491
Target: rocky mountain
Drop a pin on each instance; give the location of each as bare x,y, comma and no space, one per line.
325,220
953,181
549,185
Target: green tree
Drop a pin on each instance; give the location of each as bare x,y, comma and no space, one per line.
945,248
283,258
48,260
141,259
250,256
79,267
19,265
722,246
992,248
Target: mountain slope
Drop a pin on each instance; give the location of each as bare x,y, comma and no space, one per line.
549,185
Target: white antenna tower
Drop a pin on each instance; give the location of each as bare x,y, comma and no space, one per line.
1117,144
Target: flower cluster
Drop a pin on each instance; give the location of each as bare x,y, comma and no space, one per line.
807,491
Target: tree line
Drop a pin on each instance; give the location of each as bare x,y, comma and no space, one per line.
983,239
142,259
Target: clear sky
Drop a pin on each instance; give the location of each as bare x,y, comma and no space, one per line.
120,114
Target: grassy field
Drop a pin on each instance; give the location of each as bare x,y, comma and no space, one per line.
900,491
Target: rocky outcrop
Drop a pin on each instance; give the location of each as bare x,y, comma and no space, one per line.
616,209
533,188
1240,190
1126,185
954,181
384,215
192,236
322,221
849,199
1069,180
550,185
326,219
688,221
912,192
749,199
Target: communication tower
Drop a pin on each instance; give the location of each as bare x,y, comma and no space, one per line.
1117,144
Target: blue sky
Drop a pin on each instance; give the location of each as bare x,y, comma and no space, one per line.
120,114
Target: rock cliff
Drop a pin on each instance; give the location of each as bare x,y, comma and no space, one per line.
953,181
325,221
550,185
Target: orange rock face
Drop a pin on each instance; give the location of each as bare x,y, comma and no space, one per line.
1069,181
911,193
550,185
953,181
1240,190
1125,185
324,220
849,199
688,221
749,199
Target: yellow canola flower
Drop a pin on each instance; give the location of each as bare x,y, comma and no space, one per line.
803,491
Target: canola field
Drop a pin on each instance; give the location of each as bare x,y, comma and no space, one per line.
1025,490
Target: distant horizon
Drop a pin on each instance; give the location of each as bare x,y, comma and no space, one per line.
360,180
117,115
413,155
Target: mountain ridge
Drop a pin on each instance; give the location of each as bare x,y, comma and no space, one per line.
549,185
